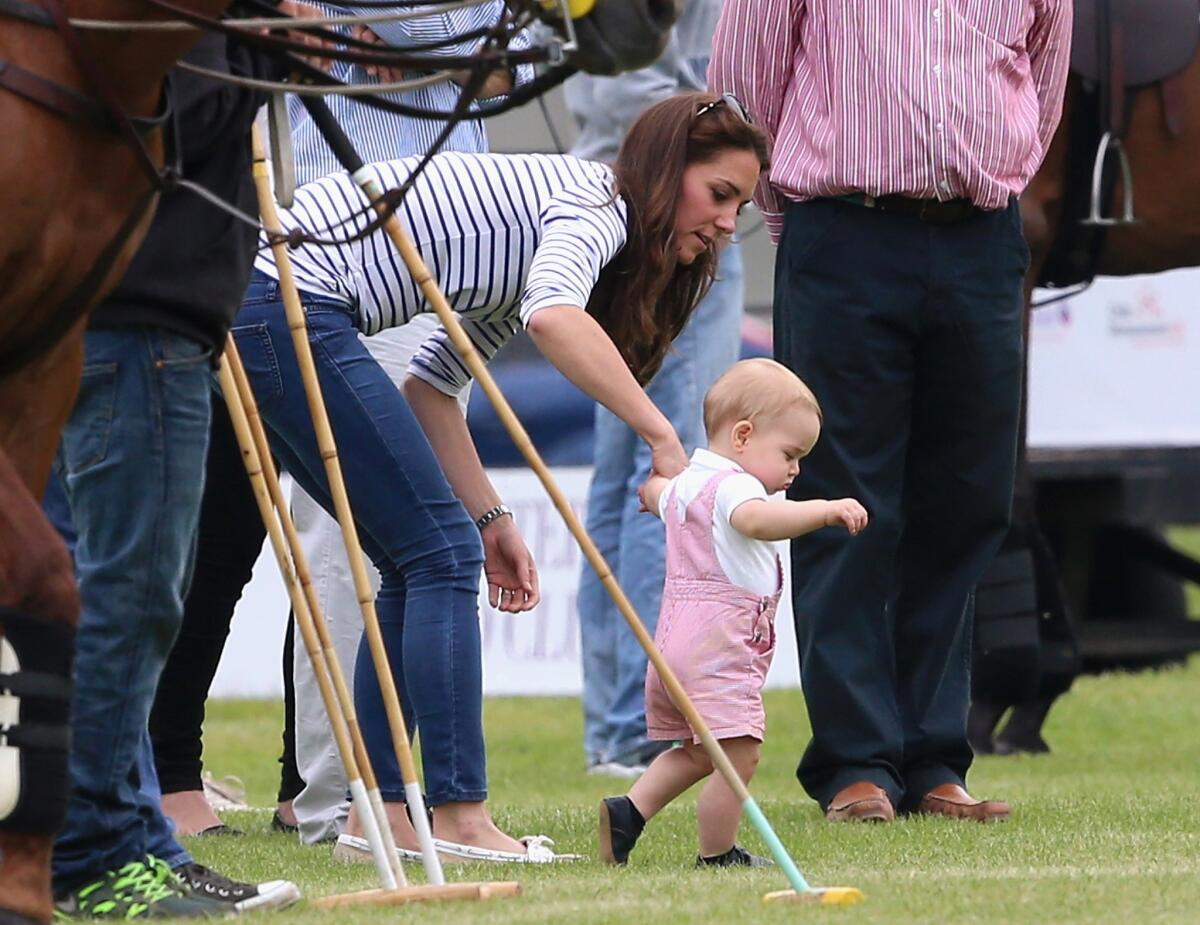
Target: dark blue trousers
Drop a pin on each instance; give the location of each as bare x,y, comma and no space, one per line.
910,336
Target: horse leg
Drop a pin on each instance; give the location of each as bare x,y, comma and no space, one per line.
1041,210
39,607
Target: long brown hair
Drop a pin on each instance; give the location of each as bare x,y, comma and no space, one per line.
644,296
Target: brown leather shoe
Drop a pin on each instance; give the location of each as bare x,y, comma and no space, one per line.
951,800
860,802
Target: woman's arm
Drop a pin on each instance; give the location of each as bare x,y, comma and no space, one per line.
781,520
575,343
511,573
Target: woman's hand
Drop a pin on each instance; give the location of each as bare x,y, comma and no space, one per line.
667,456
511,573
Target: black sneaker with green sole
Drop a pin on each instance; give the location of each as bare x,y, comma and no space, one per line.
144,889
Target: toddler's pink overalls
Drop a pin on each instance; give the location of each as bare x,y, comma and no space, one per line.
717,637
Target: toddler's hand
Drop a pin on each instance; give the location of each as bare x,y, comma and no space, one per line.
649,492
847,512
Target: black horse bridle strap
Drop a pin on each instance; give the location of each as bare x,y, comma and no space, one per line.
60,100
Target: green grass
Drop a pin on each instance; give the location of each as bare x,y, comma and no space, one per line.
1106,829
1187,540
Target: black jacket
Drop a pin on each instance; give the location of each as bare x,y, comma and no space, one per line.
191,271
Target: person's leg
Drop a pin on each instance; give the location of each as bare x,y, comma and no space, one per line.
718,810
847,326
322,805
958,485
669,775
415,530
132,457
614,446
707,346
622,819
160,831
290,781
229,540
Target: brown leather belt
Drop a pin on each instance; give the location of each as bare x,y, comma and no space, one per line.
932,211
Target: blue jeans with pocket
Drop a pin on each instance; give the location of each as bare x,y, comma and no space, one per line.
418,534
129,475
633,543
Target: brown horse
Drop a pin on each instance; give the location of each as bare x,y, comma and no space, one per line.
67,191
1161,136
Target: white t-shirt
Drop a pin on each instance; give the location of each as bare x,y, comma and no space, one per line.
748,563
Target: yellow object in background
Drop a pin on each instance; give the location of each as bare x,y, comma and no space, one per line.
578,8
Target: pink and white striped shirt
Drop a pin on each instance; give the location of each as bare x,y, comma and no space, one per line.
923,98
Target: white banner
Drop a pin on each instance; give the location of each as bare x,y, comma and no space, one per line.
1118,365
535,653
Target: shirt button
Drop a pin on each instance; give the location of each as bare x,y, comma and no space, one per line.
944,186
937,69
939,126
937,12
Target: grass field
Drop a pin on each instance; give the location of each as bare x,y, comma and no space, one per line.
1105,829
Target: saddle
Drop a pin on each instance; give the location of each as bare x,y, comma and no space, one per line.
1119,48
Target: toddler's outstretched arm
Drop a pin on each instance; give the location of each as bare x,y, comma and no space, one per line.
782,520
650,493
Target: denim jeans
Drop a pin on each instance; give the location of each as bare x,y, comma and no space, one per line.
614,665
322,805
229,538
131,467
413,528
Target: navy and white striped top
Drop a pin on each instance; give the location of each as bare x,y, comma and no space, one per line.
379,135
503,235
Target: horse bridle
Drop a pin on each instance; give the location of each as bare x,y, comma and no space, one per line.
98,112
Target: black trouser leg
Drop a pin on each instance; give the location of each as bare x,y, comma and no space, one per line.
230,538
290,781
875,312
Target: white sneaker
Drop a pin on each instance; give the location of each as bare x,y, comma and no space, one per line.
537,851
225,793
616,769
355,848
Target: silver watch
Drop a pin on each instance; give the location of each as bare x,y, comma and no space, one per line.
494,514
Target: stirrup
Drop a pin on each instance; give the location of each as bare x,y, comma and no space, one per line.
1111,142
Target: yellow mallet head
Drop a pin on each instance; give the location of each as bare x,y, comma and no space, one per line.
823,896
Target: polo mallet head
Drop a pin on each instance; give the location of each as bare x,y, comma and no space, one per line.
817,896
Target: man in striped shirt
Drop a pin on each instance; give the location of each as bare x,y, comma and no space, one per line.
903,133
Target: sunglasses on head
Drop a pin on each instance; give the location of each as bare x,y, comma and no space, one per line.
726,99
